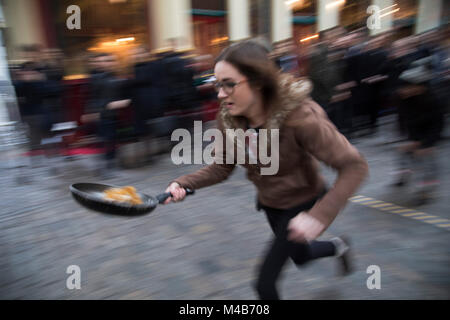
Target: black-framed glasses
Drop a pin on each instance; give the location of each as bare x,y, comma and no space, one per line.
227,86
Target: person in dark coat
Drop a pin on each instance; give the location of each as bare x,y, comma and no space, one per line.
52,67
182,95
107,96
340,103
30,87
424,122
149,90
402,54
324,71
373,78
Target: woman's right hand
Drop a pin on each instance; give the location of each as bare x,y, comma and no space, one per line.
178,193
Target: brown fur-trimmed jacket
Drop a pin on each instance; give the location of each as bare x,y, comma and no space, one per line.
306,136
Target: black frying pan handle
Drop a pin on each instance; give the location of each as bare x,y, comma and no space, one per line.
163,196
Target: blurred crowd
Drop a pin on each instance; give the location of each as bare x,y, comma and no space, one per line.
163,91
38,86
356,78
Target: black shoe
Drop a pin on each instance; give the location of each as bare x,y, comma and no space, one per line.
400,183
403,179
343,254
423,198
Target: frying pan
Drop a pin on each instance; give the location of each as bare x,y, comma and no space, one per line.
90,195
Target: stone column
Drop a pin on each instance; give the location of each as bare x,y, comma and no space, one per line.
281,21
9,110
328,13
429,15
238,18
171,23
24,25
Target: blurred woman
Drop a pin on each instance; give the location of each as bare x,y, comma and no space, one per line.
299,208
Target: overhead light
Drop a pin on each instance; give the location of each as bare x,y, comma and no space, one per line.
309,38
335,4
219,40
390,12
125,39
388,7
109,44
289,2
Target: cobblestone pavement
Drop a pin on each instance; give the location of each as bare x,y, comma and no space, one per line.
210,245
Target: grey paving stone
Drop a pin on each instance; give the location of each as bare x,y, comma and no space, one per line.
211,245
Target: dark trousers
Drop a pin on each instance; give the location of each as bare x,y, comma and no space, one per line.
280,250
35,130
107,130
341,115
371,103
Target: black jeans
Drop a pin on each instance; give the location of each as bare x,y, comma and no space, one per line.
281,249
107,130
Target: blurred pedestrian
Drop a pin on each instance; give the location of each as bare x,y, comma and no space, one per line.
424,122
374,60
203,81
148,90
297,203
286,58
321,72
106,98
341,107
93,64
52,66
182,95
30,89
